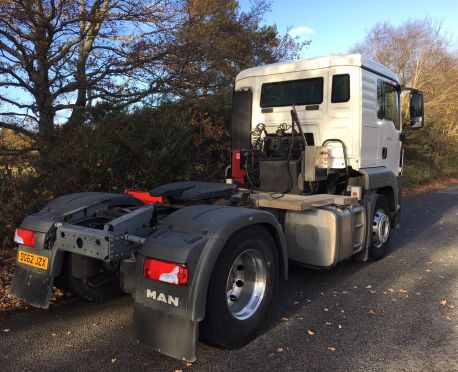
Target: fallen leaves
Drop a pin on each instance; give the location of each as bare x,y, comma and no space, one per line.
371,312
310,333
113,360
280,350
444,302
6,330
333,349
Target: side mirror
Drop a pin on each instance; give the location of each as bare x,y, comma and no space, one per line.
416,110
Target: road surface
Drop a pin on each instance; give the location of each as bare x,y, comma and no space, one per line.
400,313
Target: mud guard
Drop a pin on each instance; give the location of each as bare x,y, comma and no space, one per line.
33,287
168,334
167,316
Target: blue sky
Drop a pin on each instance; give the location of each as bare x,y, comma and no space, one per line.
335,26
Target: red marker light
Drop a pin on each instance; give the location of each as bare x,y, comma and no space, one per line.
163,271
25,237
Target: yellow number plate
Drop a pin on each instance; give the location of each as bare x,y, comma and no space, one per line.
33,260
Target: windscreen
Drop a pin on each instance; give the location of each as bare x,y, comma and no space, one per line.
292,92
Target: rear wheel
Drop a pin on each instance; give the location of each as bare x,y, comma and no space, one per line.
241,288
381,228
101,285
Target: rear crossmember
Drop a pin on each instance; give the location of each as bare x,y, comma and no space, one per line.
108,244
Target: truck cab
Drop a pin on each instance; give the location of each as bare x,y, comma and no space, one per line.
349,97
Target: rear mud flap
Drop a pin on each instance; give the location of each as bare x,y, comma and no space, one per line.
169,334
33,287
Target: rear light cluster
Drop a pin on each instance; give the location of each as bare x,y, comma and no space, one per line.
25,237
238,172
163,271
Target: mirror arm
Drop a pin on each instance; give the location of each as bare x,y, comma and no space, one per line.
408,89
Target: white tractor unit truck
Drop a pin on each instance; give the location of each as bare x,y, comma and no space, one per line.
314,180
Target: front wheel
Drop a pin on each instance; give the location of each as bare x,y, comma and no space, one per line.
381,228
241,288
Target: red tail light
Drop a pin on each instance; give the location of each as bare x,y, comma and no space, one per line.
238,173
25,237
163,271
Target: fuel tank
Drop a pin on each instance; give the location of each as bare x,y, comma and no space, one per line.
324,236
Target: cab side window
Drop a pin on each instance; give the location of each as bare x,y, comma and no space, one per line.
340,88
388,102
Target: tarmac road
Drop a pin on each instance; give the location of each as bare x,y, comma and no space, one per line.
400,313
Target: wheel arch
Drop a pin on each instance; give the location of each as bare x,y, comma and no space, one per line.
234,221
388,193
383,181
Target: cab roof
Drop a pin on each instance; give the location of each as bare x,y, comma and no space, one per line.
318,63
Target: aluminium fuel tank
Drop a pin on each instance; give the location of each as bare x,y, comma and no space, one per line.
324,236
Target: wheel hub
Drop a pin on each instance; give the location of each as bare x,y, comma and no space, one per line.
381,228
246,284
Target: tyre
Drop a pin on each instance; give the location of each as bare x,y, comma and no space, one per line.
104,285
241,288
381,228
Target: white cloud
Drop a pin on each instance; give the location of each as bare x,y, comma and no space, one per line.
301,31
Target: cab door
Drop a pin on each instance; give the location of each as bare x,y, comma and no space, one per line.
389,124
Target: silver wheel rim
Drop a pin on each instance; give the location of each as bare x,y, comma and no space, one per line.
246,284
381,228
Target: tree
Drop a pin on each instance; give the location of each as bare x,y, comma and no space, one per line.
423,58
60,56
216,40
